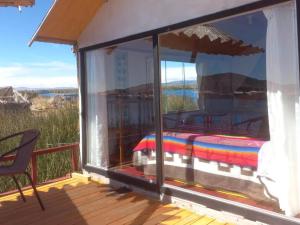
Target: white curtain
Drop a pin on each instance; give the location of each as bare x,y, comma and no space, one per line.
97,125
201,70
279,159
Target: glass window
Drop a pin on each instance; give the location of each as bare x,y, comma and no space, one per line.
121,109
215,108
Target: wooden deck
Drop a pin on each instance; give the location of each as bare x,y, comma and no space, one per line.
80,202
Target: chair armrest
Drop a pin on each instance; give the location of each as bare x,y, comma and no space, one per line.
2,159
6,138
11,136
17,148
7,153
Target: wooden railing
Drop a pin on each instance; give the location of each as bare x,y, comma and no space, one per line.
74,148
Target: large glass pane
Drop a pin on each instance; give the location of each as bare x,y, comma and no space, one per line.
96,118
215,108
121,109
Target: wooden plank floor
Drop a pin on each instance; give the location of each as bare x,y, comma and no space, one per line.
78,202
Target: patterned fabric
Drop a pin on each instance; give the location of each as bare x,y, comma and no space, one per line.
235,150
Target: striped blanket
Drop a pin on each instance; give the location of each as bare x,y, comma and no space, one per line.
242,151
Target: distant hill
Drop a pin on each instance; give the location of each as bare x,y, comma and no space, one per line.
42,89
180,82
227,83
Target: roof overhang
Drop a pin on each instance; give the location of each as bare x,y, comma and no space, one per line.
17,3
66,20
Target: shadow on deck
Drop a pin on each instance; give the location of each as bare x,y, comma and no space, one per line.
79,202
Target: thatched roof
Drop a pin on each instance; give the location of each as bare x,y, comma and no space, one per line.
17,2
11,99
10,95
207,39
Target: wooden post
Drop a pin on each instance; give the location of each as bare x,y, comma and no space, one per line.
74,156
34,168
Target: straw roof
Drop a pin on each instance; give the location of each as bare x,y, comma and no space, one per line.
207,39
10,95
17,2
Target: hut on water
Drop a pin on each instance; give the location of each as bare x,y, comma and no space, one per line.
11,99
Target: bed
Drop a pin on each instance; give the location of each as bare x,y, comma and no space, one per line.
218,162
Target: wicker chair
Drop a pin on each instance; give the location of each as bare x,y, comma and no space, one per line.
23,154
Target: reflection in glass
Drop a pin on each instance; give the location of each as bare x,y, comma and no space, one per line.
214,105
121,107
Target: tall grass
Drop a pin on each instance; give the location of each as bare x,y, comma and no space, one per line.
57,127
178,103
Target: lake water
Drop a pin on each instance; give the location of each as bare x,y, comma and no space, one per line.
48,95
187,92
51,94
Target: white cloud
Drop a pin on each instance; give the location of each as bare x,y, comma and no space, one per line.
39,75
61,74
54,65
10,71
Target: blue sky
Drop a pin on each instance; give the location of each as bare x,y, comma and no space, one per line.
46,65
42,65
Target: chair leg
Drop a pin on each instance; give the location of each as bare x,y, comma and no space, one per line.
35,191
19,188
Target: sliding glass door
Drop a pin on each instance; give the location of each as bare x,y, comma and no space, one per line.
230,108
215,116
120,118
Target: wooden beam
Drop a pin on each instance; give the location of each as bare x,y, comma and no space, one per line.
52,40
17,2
66,20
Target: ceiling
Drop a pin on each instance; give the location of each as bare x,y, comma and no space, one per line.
66,20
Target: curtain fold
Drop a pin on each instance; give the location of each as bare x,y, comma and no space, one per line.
201,71
97,124
279,159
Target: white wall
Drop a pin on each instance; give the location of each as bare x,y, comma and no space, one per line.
121,18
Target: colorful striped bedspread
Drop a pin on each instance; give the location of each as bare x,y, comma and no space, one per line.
235,150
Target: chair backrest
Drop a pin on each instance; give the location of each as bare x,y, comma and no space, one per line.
23,155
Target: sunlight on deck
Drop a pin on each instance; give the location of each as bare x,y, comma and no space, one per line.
79,202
